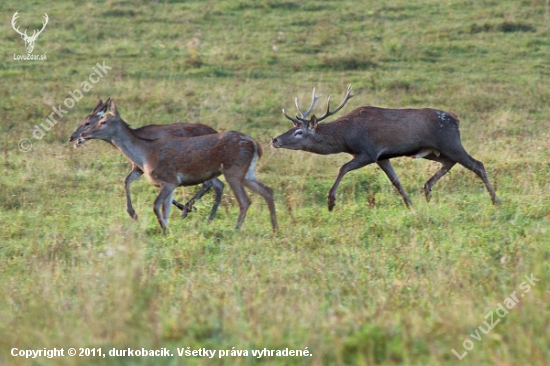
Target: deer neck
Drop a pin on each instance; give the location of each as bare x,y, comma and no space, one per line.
134,148
328,139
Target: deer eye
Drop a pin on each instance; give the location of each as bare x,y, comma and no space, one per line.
298,133
87,123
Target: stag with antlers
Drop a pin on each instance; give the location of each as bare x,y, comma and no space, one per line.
375,135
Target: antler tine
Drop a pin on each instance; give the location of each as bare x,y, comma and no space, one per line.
295,120
13,21
314,100
347,97
327,113
43,24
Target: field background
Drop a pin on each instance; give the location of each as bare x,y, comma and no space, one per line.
370,283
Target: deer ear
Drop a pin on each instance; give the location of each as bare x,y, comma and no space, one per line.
313,123
112,107
96,108
102,109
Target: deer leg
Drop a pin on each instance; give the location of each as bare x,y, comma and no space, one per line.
189,205
386,166
134,174
358,162
462,157
446,165
241,196
267,193
178,205
166,192
478,168
166,206
217,185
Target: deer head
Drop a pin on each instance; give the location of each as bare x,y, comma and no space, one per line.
29,40
108,124
304,135
90,120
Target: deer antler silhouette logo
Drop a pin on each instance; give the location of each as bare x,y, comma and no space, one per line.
29,40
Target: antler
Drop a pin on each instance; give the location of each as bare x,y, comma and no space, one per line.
302,119
314,100
13,19
347,97
43,26
296,121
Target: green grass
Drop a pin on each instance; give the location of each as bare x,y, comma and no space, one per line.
370,283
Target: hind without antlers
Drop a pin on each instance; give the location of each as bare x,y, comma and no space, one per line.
376,135
183,161
154,132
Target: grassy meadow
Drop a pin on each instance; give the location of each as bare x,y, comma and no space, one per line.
371,283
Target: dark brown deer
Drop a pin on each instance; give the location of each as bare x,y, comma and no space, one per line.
154,132
375,135
183,161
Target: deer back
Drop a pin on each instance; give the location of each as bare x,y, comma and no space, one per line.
193,160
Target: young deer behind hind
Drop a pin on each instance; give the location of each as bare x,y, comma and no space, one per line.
155,132
182,161
375,135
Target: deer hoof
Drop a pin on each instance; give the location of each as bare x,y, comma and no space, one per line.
428,193
331,203
133,214
184,212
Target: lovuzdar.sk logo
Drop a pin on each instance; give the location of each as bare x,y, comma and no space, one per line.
29,40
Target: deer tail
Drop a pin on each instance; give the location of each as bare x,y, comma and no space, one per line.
258,149
455,117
